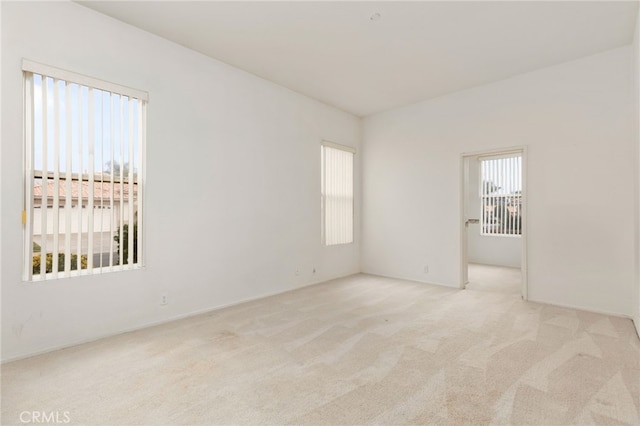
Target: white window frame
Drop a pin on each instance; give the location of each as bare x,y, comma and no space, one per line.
137,113
329,234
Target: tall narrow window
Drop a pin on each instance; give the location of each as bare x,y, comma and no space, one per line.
337,193
501,194
84,174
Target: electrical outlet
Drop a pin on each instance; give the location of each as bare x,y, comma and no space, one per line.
314,270
426,269
163,299
297,272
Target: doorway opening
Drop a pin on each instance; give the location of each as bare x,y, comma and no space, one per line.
493,221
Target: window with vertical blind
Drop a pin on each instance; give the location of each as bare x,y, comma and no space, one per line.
84,174
501,194
337,194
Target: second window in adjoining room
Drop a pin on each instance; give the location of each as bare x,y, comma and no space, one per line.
501,194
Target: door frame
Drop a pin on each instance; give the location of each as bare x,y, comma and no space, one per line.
464,183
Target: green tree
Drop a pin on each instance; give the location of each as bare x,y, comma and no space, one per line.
123,247
37,262
489,187
115,167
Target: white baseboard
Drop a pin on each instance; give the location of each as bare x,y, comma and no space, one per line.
636,321
163,321
559,305
414,280
581,308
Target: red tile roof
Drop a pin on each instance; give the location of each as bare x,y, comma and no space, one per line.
100,190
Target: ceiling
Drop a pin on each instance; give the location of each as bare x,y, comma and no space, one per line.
338,53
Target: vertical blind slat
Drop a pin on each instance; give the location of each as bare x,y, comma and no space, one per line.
44,198
141,143
324,194
505,211
56,177
511,174
507,215
112,139
131,226
29,178
121,185
100,154
90,184
489,198
80,182
68,196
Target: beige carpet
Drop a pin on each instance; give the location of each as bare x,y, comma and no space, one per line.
494,278
360,350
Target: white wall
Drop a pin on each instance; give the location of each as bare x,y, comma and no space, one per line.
575,118
636,115
487,249
233,181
